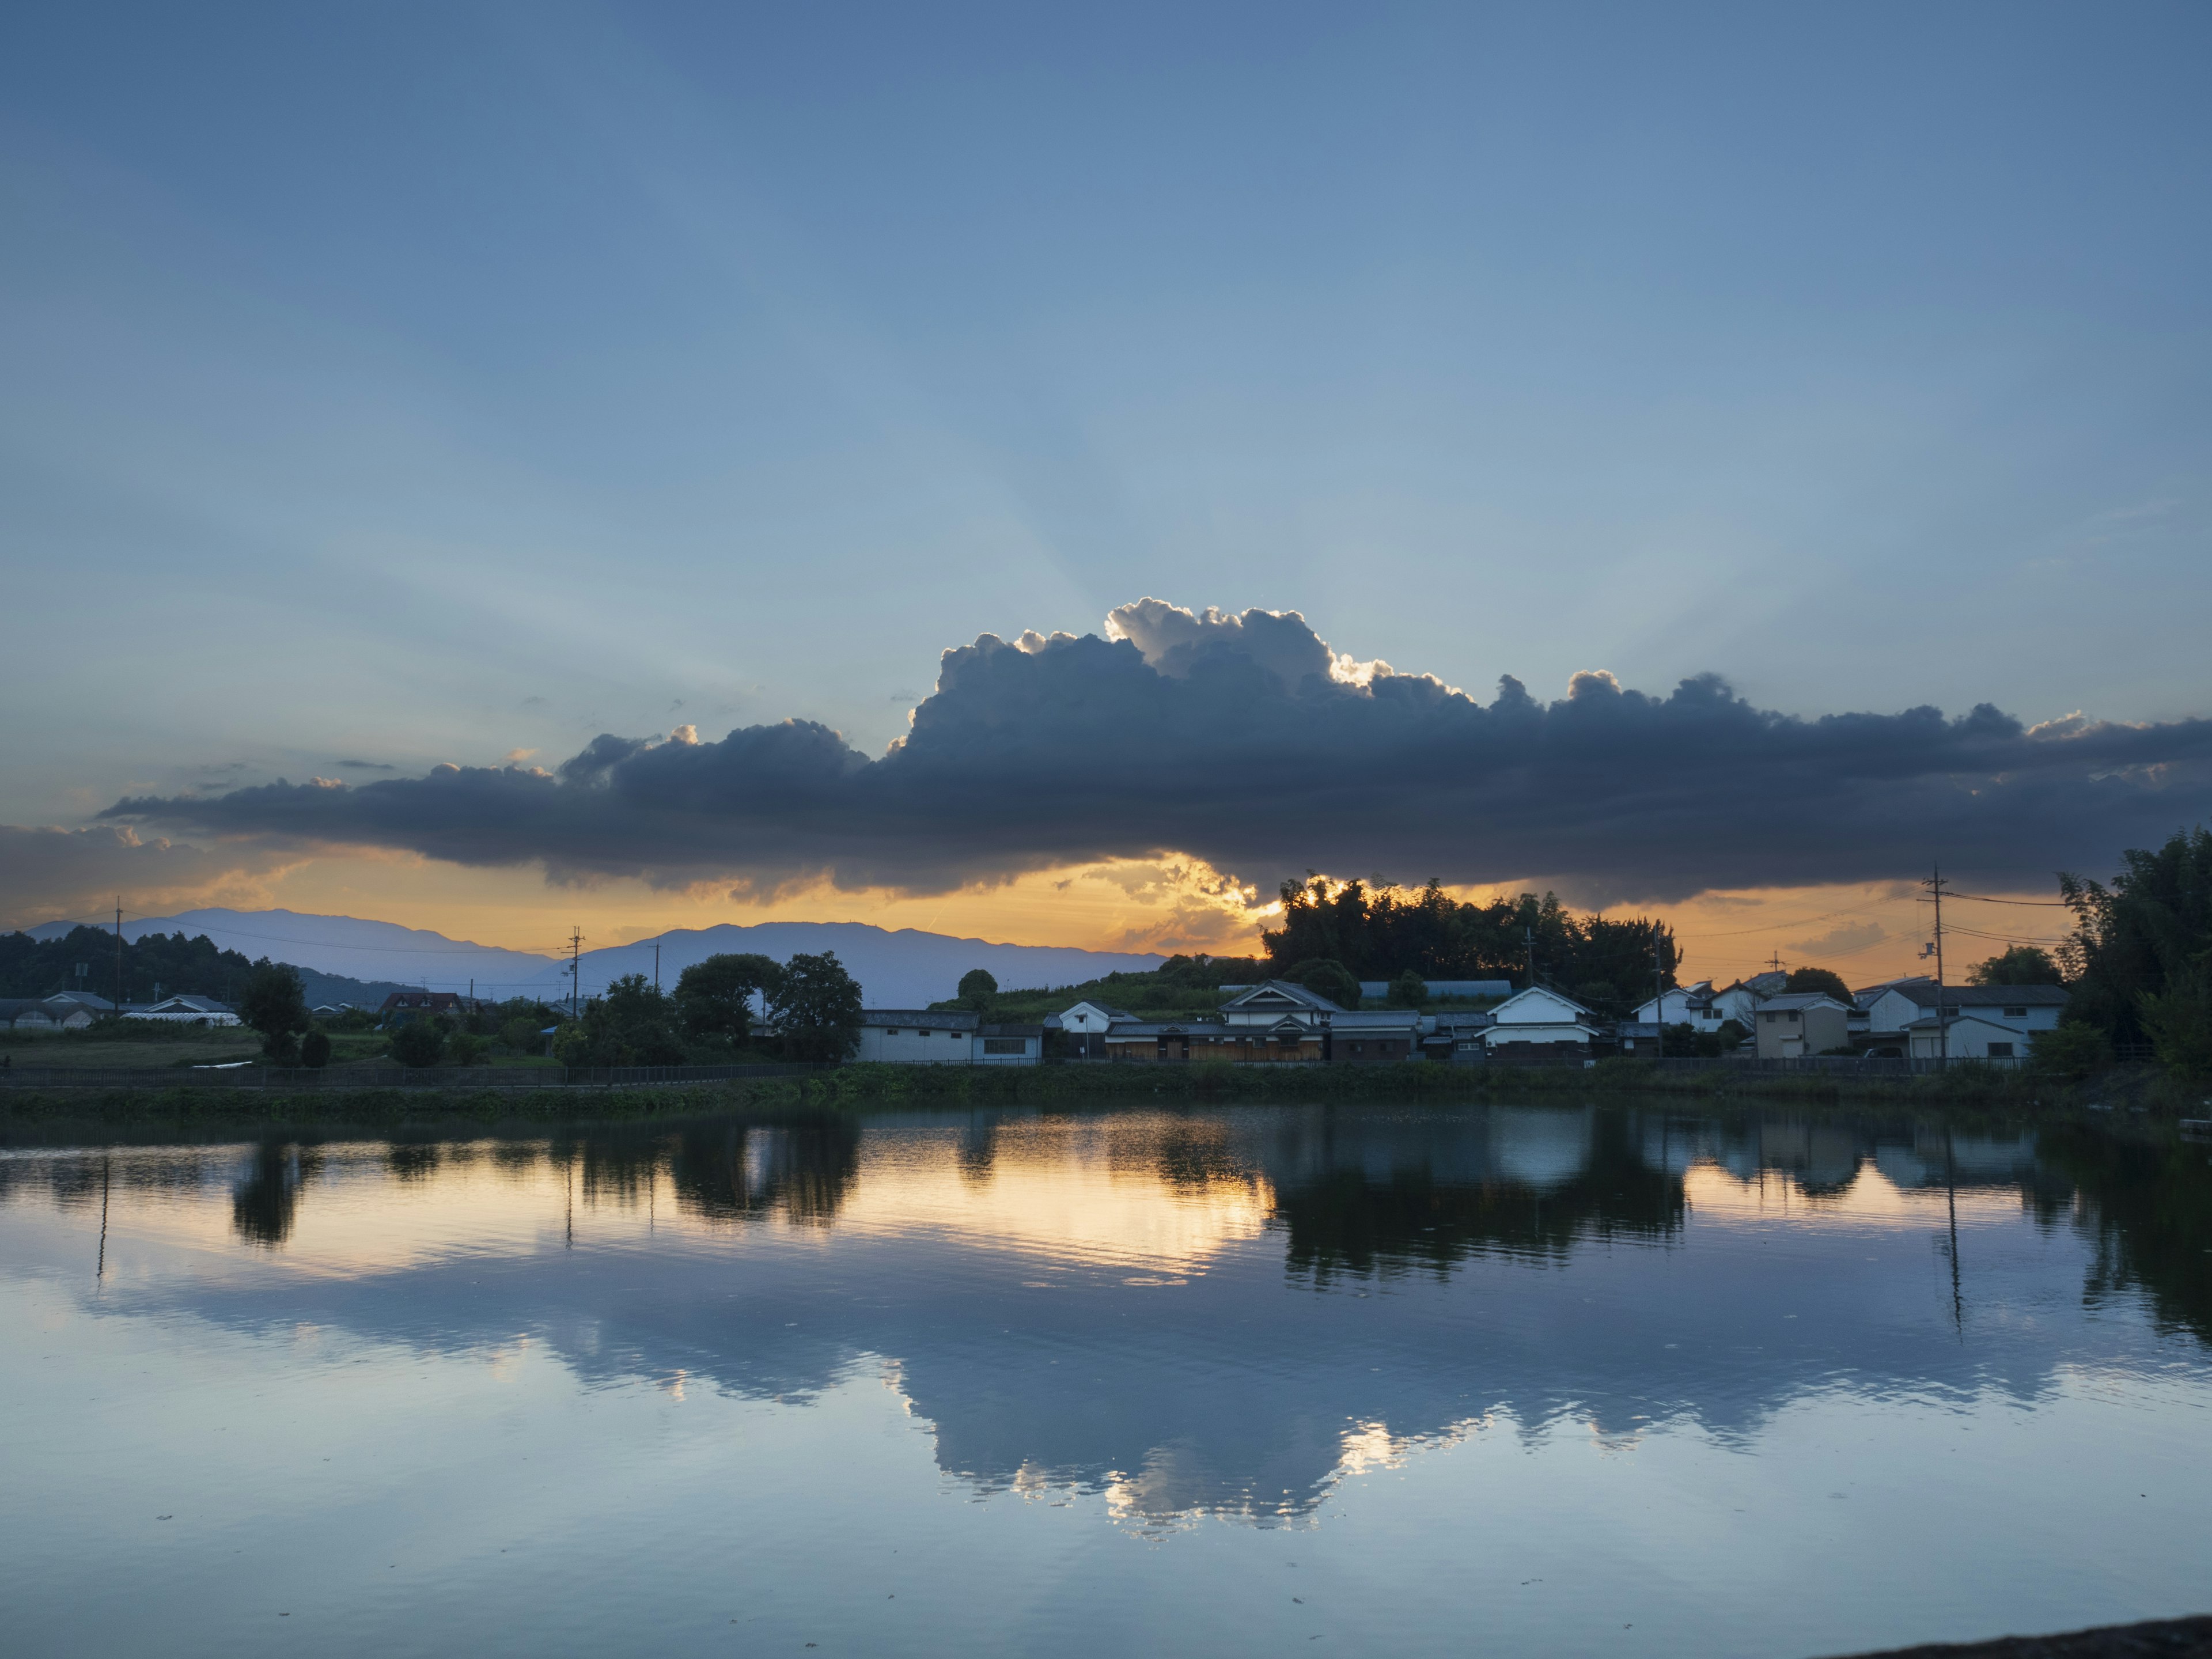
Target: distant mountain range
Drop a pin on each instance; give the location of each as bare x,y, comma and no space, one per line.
900,969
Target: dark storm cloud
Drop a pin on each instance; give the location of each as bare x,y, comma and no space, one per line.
1245,741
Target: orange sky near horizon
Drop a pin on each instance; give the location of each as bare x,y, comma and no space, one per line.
1865,932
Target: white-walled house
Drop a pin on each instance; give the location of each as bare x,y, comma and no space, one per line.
1085,1026
1540,1018
1970,1037
1701,1007
945,1036
1899,1005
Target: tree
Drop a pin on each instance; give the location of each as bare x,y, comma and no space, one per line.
2023,964
715,997
519,1033
978,988
817,1008
275,1005
1380,933
315,1049
2151,927
418,1043
634,1023
1813,980
1408,990
1327,977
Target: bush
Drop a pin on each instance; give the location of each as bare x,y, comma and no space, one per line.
1408,990
315,1049
417,1043
281,1047
521,1033
2072,1049
2179,1022
467,1047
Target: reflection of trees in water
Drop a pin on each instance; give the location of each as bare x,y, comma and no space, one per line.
266,1203
727,1172
1345,1219
2148,1205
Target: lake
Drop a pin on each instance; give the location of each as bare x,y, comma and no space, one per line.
1601,1379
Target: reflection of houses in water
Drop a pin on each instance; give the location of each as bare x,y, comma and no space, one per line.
1933,1158
1821,1155
1359,1194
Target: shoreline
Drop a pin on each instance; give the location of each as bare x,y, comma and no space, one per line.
873,1088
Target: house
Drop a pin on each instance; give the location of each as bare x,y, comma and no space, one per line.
86,999
1897,1005
945,1036
43,1014
1703,1008
1540,1021
1453,1038
1275,1022
1801,1023
187,1010
406,1005
1085,1026
1009,1045
1967,1036
920,1037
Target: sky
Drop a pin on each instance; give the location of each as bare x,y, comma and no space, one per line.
388,388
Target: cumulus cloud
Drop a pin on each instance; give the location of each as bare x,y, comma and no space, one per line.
1246,742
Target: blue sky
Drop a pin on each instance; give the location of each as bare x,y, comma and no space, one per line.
424,383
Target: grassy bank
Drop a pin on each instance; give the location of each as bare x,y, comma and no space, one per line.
865,1088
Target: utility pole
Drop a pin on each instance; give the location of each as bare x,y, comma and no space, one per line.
1530,929
1658,993
118,955
576,959
1934,885
1774,963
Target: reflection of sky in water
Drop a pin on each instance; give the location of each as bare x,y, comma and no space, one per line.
1854,1380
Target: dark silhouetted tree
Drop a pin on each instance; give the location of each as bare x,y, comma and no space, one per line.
978,988
716,996
275,1005
1810,981
2023,964
817,1008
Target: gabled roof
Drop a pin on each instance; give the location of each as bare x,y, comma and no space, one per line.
1271,991
82,999
1802,1000
197,1005
1496,1013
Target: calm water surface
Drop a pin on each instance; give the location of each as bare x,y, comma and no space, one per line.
1597,1380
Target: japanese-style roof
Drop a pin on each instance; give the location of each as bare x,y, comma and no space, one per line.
1801,1000
1274,990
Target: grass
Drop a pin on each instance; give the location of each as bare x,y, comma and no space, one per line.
874,1087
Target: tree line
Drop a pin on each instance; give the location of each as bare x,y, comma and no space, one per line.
1341,934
